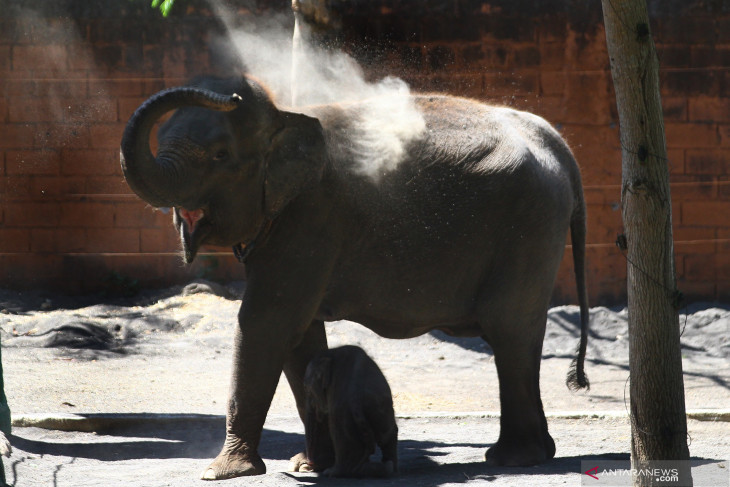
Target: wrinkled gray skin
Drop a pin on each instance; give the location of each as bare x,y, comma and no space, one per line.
465,235
346,392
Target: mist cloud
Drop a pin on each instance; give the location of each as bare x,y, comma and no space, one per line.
300,74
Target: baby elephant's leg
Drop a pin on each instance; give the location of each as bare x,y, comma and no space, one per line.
381,417
388,443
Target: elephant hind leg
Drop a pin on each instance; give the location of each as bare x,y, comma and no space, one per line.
524,439
516,334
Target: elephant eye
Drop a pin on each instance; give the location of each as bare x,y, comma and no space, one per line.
221,155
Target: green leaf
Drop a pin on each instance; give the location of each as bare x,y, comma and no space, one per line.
166,7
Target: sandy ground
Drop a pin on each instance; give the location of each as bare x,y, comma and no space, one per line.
169,353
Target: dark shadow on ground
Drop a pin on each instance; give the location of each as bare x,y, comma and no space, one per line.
475,344
716,379
421,463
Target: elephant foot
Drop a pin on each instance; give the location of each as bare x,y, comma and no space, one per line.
300,463
235,460
520,453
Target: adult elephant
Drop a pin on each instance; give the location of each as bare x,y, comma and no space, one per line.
465,234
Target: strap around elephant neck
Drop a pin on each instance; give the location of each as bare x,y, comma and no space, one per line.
242,251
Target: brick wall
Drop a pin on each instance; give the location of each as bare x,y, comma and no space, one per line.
71,76
68,220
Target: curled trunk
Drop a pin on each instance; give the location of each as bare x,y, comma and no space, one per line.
151,179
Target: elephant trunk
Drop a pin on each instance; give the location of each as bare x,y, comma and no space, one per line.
154,180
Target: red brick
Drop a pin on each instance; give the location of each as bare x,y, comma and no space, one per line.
55,88
526,56
56,187
687,29
697,290
709,109
463,85
674,108
43,240
723,239
106,135
589,98
605,263
109,185
47,56
689,135
707,161
5,54
14,240
81,59
112,240
723,267
587,51
552,109
17,136
699,267
598,151
511,84
89,162
604,223
676,161
15,188
87,214
127,107
552,55
553,82
116,88
32,162
32,214
693,188
694,240
159,240
599,196
135,214
711,56
70,240
90,110
724,131
690,83
674,56
723,187
60,135
30,271
529,102
33,109
709,213
173,62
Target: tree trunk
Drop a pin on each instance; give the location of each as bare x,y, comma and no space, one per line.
658,418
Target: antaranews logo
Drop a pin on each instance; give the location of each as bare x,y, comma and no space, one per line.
591,472
619,473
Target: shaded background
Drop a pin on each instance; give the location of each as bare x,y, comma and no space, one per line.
72,72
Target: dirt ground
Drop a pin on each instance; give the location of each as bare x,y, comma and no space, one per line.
146,380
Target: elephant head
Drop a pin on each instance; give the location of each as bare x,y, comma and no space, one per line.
228,161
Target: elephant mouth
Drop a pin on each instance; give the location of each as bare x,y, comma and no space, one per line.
193,226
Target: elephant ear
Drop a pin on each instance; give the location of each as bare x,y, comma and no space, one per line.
295,161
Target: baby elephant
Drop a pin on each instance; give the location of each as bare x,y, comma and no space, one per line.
347,393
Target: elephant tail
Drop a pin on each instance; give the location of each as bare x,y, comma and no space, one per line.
576,375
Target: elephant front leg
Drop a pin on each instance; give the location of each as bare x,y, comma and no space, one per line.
258,362
319,453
